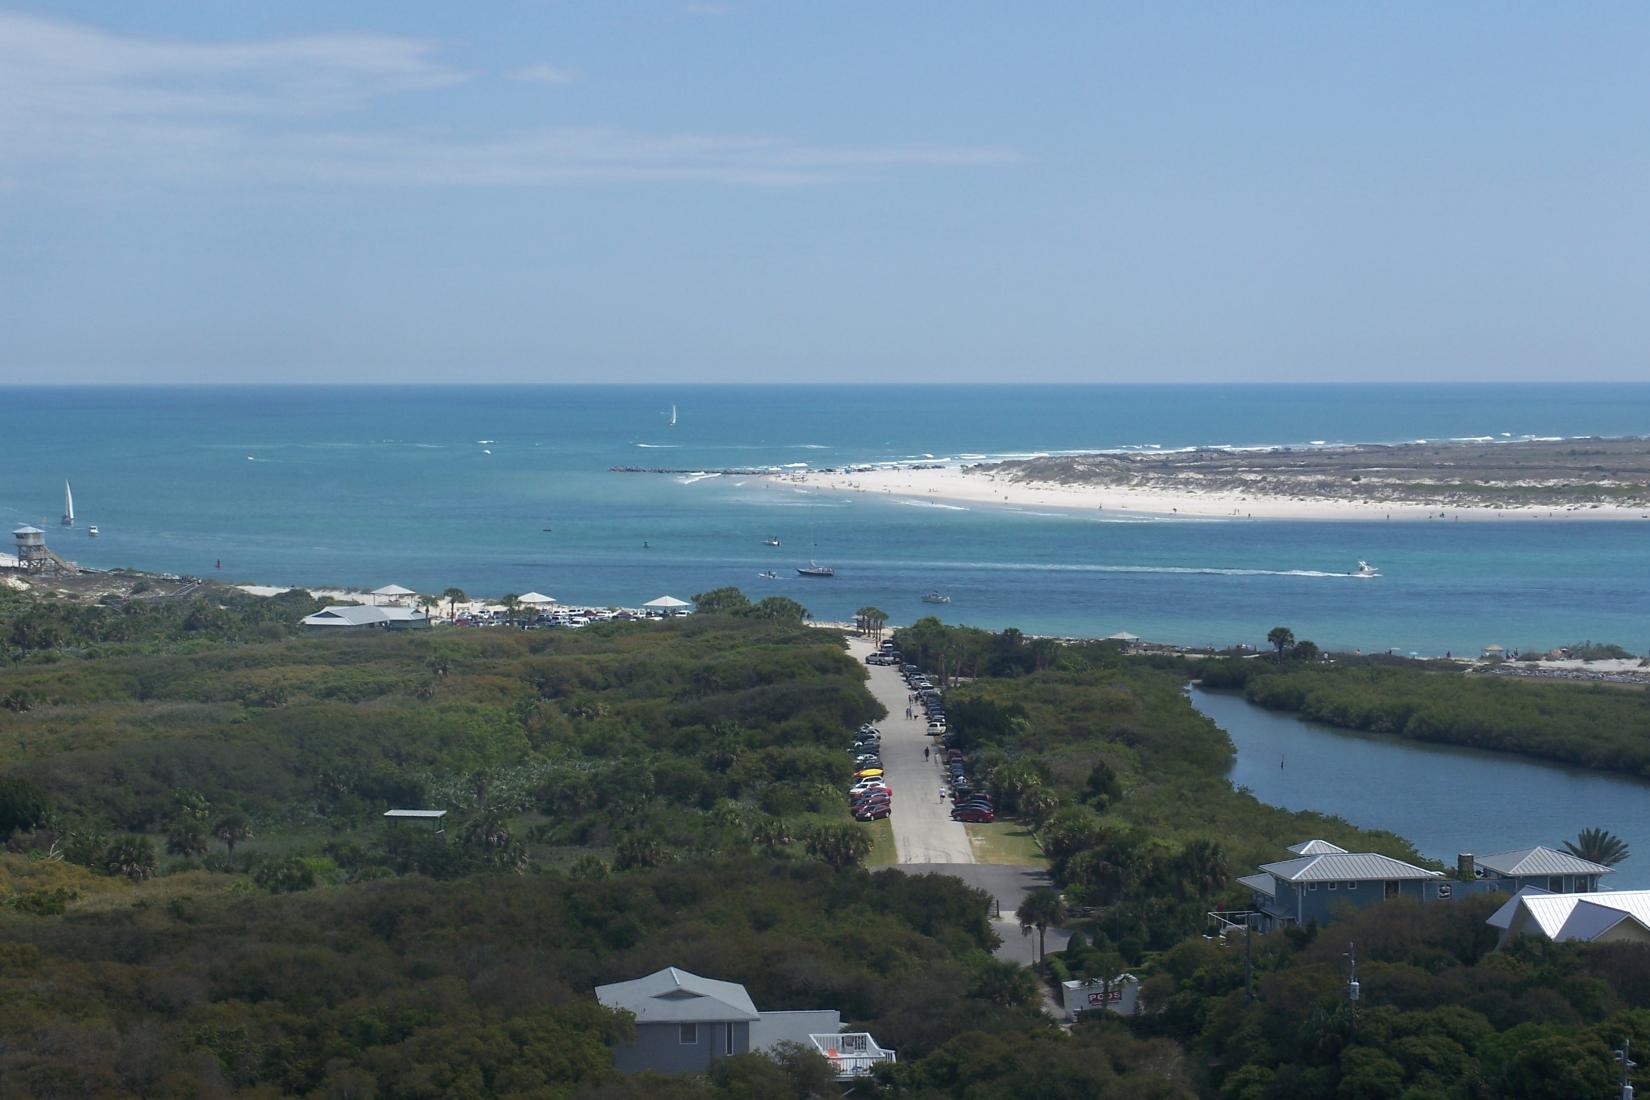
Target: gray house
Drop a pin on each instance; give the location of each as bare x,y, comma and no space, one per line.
1324,877
1545,868
685,1022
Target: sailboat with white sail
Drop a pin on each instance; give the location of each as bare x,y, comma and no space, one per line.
673,415
813,568
68,504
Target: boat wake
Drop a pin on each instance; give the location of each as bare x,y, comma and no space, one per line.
1182,570
934,504
658,446
689,479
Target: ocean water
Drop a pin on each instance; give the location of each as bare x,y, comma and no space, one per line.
437,486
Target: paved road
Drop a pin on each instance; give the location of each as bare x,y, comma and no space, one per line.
923,829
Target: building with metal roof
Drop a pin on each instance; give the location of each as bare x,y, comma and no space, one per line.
1620,916
685,1022
1546,868
1316,848
361,615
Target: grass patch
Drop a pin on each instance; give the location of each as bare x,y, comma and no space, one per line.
1005,842
882,836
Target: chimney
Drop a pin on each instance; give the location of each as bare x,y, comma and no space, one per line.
1464,868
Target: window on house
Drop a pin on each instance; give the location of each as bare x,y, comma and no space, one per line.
1556,884
1311,886
1352,886
690,1035
730,1039
1333,885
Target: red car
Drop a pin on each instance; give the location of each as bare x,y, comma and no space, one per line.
973,813
869,798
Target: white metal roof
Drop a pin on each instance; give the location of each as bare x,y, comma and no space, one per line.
675,996
1316,848
27,530
1575,916
423,814
1540,861
667,601
535,598
1346,867
1260,883
393,590
362,615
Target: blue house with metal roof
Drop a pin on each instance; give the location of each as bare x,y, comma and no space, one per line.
1324,878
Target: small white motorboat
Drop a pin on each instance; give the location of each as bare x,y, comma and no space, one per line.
91,532
768,575
771,540
936,597
1366,570
814,569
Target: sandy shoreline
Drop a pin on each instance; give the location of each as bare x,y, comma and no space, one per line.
954,485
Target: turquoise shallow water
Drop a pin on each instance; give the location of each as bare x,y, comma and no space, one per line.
369,485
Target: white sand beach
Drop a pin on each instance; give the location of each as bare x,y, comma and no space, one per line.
960,485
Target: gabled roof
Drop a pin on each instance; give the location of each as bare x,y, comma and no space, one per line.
675,996
362,615
1575,916
393,590
1259,883
1540,861
1346,867
27,530
1316,848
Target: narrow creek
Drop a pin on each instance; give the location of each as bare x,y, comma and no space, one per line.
1442,798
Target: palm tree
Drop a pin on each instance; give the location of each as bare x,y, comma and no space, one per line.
186,839
429,604
452,596
132,856
1040,909
512,605
232,829
875,619
1281,638
1598,846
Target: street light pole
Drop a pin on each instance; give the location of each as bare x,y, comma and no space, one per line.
1627,1065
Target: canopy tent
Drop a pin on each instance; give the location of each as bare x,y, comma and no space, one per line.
667,603
535,599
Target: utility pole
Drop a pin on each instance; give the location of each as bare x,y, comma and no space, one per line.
1627,1065
1352,988
1249,956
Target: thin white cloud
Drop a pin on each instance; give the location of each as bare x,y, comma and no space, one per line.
544,74
87,108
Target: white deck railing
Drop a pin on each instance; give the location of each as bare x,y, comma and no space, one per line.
853,1053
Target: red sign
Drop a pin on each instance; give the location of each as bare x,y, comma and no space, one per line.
1110,996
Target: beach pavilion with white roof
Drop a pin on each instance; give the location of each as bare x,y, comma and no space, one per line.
393,591
535,599
666,605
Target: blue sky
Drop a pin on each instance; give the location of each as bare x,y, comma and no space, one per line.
411,191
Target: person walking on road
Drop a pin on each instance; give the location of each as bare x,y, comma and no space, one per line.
925,752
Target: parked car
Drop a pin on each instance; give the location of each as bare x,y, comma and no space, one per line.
875,813
867,773
973,813
875,794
